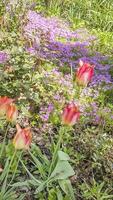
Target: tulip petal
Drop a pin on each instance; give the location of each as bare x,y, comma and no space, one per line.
11,113
84,73
70,114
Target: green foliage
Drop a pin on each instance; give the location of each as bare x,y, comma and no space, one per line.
94,14
44,171
108,96
95,191
62,170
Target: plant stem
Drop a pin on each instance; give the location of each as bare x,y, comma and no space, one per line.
5,181
61,132
36,180
72,72
3,143
15,170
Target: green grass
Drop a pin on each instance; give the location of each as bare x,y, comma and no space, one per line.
96,15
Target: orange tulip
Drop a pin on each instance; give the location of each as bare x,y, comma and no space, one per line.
71,114
4,102
23,138
84,73
11,113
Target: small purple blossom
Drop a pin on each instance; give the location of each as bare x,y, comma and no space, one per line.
3,57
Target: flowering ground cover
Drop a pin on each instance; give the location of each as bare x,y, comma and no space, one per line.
56,100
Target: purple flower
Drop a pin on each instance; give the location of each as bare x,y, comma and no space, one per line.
3,57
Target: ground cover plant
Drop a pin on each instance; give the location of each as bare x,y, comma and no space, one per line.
56,94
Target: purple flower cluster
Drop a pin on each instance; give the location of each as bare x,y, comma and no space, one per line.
46,111
53,40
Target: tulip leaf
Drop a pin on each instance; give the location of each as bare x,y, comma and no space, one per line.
9,194
41,187
42,156
67,188
2,176
20,184
63,170
38,164
25,183
63,156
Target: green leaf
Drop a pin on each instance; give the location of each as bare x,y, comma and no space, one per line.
10,194
63,170
67,188
107,197
39,153
5,170
52,194
25,183
41,187
59,194
63,156
32,177
38,165
20,184
22,197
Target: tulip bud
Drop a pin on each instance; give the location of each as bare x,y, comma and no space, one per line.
84,73
4,102
70,115
11,113
23,138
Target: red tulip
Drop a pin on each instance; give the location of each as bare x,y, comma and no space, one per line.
70,114
11,113
23,138
84,73
4,102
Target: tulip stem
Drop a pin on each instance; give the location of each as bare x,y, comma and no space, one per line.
3,143
54,157
5,181
15,169
79,91
72,72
